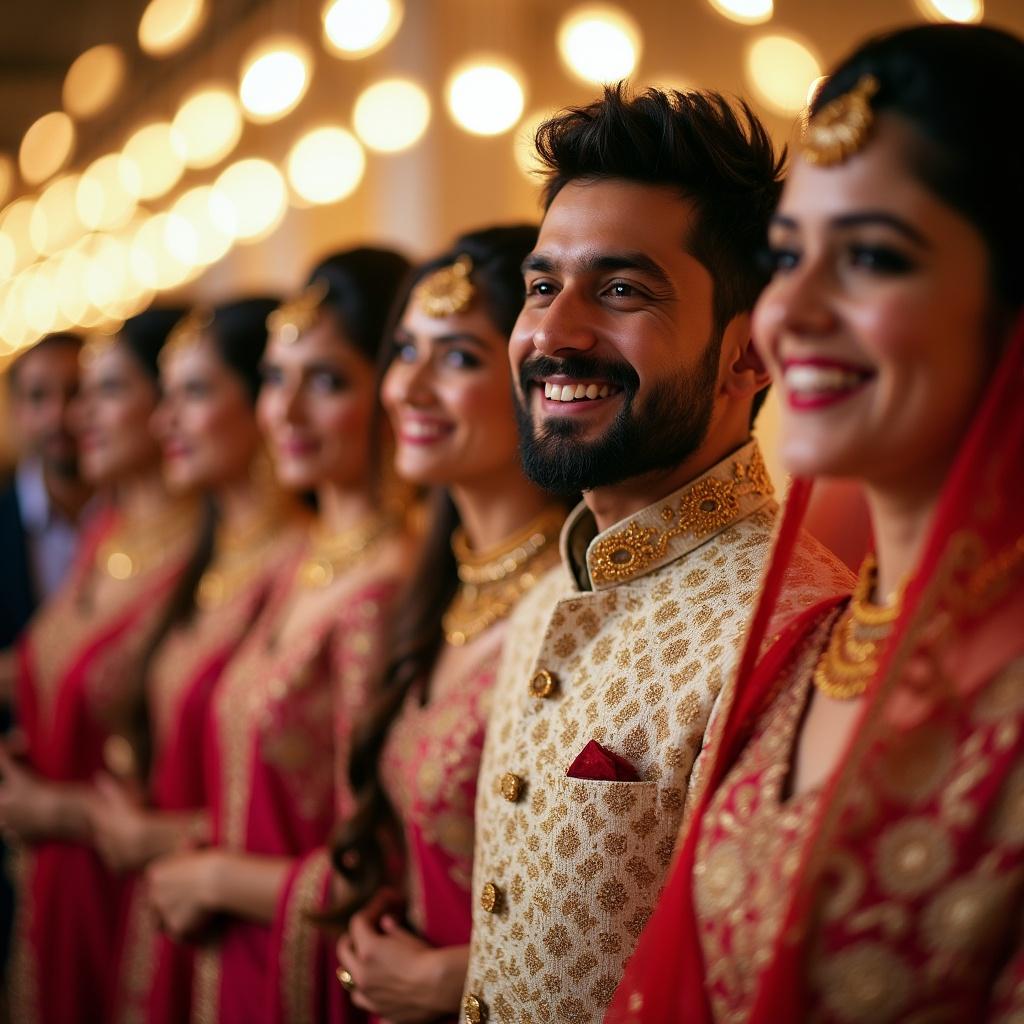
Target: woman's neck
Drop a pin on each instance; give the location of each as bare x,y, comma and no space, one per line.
143,498
493,510
241,503
340,508
900,522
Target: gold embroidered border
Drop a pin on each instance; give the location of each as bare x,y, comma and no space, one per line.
299,941
206,985
703,509
136,969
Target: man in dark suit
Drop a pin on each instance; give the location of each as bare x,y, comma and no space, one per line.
42,502
40,507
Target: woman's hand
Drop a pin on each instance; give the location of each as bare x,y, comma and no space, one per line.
120,826
33,810
183,890
397,975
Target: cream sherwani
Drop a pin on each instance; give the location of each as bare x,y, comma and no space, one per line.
629,643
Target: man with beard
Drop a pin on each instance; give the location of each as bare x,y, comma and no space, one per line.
39,509
637,384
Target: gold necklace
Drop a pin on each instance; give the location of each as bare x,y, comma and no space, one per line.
492,583
850,660
330,554
128,553
239,558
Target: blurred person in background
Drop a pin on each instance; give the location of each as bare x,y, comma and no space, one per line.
206,424
282,710
40,507
72,681
42,502
492,534
857,853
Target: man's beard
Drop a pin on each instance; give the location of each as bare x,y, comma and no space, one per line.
661,434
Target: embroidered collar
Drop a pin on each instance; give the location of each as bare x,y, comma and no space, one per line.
670,528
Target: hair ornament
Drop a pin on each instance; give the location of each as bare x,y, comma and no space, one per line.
186,332
291,319
842,127
448,290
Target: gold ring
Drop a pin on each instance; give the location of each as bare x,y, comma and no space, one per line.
348,983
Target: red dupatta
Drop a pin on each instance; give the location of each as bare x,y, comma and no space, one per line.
960,623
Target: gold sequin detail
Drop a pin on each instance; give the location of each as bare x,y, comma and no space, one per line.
707,506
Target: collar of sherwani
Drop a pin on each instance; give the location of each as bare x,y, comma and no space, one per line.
673,526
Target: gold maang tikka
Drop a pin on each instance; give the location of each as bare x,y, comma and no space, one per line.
842,127
448,290
186,333
293,318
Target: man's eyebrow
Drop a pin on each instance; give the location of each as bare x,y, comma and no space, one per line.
601,262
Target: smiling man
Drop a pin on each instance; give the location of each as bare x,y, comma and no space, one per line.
637,384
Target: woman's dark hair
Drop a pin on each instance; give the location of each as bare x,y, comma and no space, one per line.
238,331
364,844
239,335
145,333
361,287
952,83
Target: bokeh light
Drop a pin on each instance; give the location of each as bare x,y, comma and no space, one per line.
93,81
191,233
599,43
37,305
55,223
392,115
168,26
745,12
357,28
103,199
326,165
486,96
275,77
150,165
152,263
965,11
207,126
69,282
780,70
523,149
248,200
107,272
46,147
16,226
7,173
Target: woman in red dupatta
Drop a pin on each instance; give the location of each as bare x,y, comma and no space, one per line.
416,758
75,685
285,703
856,848
206,423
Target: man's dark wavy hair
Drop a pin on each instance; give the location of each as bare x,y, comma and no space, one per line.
716,154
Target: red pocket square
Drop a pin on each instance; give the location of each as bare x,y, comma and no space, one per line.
599,764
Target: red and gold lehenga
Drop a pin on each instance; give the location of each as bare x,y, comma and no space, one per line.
154,984
279,714
895,892
75,663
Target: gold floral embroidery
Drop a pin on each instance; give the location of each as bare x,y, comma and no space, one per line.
866,983
298,947
707,506
912,856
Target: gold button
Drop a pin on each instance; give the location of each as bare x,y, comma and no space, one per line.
473,1009
511,787
490,898
542,684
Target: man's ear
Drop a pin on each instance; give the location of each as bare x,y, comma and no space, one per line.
742,372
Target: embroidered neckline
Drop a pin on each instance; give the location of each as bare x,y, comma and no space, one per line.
670,528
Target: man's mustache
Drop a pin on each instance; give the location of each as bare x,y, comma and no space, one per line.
619,374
